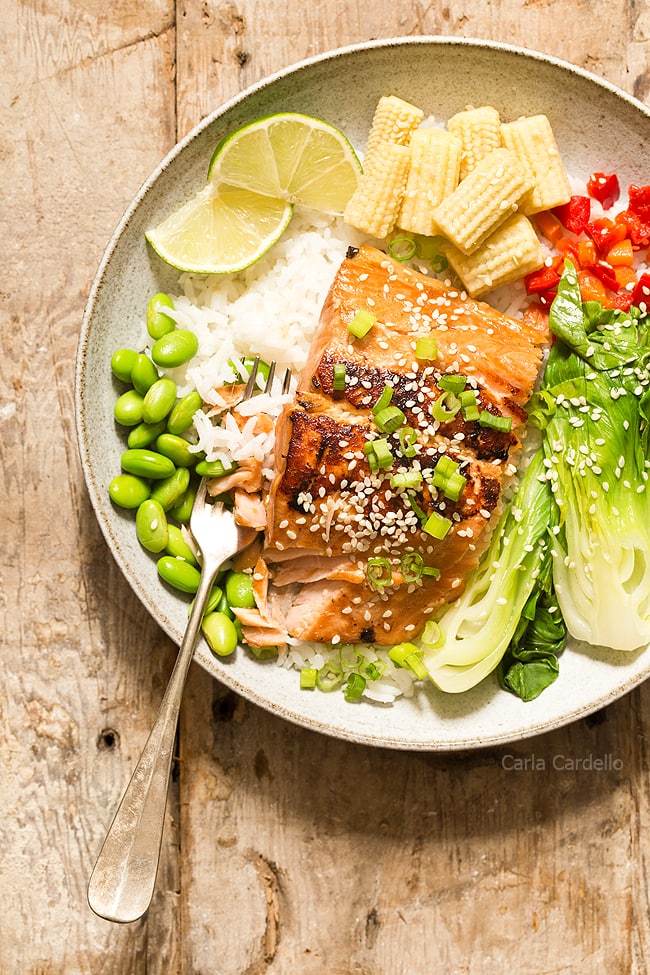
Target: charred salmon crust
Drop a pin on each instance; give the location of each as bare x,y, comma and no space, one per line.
328,502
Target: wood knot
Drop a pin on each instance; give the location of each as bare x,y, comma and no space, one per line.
108,740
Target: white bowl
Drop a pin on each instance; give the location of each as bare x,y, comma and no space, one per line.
597,127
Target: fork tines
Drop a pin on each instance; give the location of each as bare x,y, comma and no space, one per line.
252,379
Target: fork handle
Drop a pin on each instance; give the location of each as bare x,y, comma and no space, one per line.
122,882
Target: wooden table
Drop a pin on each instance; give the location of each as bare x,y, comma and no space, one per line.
284,851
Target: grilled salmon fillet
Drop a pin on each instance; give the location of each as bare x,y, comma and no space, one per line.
331,519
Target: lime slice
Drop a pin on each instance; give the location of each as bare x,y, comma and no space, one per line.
291,157
220,230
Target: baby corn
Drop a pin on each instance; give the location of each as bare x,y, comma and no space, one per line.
508,254
375,204
433,175
479,131
533,141
483,200
394,121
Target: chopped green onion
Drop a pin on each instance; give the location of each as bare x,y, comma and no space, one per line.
430,570
406,479
501,423
402,248
411,565
439,263
371,456
407,440
379,573
362,322
329,678
445,407
357,661
470,413
389,419
308,677
338,380
467,397
454,486
437,525
383,453
432,635
374,670
414,663
384,399
443,470
416,508
264,653
426,347
354,688
401,651
454,384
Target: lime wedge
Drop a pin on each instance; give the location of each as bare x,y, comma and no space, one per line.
291,157
220,230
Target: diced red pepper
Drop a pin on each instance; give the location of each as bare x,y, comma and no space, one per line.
641,293
636,229
544,279
605,188
546,298
575,214
605,233
622,300
605,273
587,253
639,201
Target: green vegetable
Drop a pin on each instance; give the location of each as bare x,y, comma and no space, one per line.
170,490
180,418
177,449
239,589
159,400
146,463
143,374
175,348
122,362
308,677
182,509
338,377
389,419
128,408
492,422
151,526
426,347
213,468
128,491
179,573
437,525
178,547
144,434
220,633
158,323
361,324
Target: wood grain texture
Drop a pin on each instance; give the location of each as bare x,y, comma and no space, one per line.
284,851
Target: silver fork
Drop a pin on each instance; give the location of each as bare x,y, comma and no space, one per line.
123,879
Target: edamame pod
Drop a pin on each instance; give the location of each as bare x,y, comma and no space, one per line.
128,491
177,449
180,418
175,348
239,589
151,526
159,400
220,633
178,547
122,362
128,409
147,463
171,489
178,573
144,434
158,323
143,374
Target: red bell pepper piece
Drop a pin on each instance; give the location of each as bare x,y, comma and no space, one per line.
636,229
604,188
641,293
622,300
546,298
605,273
605,233
575,214
544,279
639,201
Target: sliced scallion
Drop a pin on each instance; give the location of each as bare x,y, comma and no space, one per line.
308,677
407,440
406,479
445,407
354,688
338,377
383,453
431,571
437,525
362,322
426,347
389,419
411,564
379,573
329,677
384,399
454,486
402,248
452,383
501,423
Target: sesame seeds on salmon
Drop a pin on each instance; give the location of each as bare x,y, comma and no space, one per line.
332,513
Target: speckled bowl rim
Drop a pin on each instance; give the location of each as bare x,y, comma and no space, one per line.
431,722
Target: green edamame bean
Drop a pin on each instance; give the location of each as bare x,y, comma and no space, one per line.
180,418
177,546
177,449
178,573
213,468
144,434
169,491
158,323
239,589
223,607
211,602
151,526
128,491
159,400
122,362
128,408
220,633
182,510
146,463
143,374
175,348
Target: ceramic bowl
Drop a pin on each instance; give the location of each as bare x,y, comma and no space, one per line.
597,127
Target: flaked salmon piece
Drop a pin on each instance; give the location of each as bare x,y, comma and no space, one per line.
325,501
249,510
258,630
248,476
